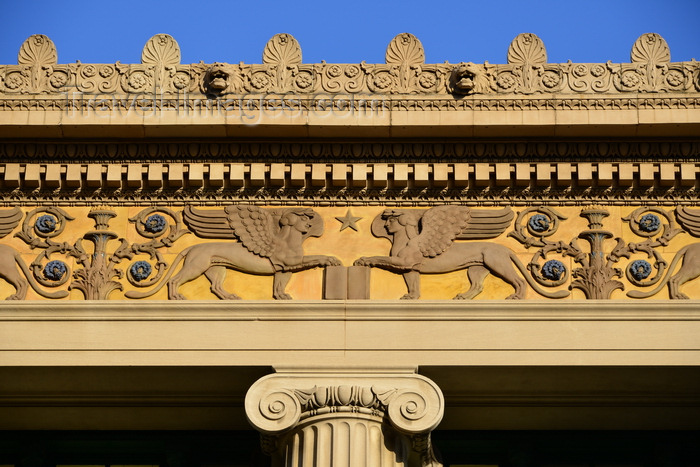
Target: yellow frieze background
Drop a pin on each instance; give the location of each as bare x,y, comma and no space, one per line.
348,245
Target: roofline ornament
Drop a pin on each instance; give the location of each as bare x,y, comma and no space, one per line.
404,73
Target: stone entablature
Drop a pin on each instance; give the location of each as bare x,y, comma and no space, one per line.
125,239
570,161
405,72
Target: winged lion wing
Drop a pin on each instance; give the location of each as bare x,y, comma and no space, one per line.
486,223
9,219
251,225
439,228
689,219
208,224
254,227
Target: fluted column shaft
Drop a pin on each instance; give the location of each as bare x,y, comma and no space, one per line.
346,419
344,440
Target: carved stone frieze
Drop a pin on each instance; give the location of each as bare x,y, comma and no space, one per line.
404,73
134,253
689,256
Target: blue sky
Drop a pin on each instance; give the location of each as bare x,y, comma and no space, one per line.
350,31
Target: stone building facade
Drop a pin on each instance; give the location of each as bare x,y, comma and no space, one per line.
255,264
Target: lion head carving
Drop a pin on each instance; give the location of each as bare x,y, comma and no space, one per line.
469,78
217,78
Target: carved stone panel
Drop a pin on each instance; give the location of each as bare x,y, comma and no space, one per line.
448,251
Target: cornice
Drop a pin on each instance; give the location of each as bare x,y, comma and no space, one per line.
403,97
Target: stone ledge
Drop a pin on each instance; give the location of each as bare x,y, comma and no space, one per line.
359,310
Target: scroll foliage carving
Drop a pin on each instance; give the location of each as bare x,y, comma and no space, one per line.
596,276
44,271
688,256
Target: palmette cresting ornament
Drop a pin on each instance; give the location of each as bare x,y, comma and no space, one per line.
403,73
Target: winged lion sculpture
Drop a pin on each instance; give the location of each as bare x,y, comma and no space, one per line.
269,243
423,242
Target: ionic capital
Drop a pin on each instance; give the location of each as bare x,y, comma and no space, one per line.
283,406
411,403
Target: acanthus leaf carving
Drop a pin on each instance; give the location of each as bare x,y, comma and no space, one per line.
405,49
405,57
161,57
405,72
528,55
282,54
527,49
282,50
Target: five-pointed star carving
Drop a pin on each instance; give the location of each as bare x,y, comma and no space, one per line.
348,221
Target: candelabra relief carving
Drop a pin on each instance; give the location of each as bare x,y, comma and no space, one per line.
596,276
405,72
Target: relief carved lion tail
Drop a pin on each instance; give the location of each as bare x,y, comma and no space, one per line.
533,284
664,281
163,281
30,278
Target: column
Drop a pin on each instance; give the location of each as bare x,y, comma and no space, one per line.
346,419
